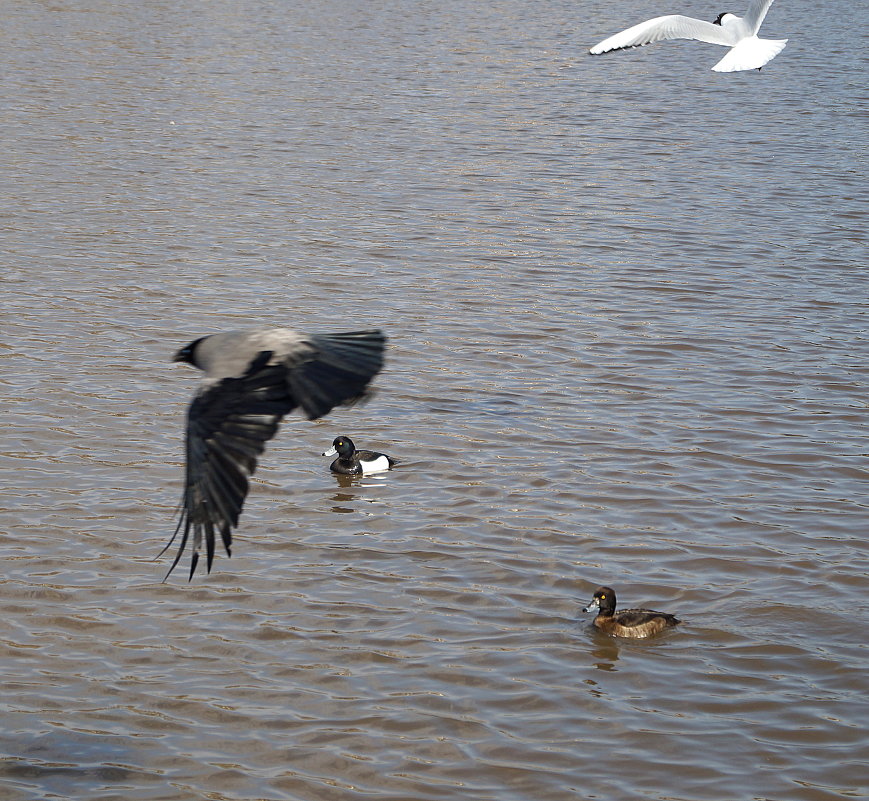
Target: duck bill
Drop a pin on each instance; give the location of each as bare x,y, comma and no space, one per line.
330,452
595,604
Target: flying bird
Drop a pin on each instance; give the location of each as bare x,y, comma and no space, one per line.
252,379
747,52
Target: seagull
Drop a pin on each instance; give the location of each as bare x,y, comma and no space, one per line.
747,52
252,379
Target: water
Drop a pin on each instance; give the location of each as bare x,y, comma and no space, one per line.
626,302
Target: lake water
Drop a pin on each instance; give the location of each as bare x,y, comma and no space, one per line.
626,299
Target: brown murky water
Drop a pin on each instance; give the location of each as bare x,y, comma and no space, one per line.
627,305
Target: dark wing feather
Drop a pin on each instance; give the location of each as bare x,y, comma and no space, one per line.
335,370
228,426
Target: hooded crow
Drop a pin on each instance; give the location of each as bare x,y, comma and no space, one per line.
252,379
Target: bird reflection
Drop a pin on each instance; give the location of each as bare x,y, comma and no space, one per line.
345,482
355,486
606,651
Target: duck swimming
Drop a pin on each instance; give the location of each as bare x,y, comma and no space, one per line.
634,623
353,462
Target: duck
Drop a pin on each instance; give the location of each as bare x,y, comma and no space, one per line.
353,462
634,623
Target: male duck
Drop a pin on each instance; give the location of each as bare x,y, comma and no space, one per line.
634,623
353,462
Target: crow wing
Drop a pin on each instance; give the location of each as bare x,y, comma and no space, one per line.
333,369
228,425
230,421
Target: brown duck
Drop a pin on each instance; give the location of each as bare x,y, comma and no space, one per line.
628,622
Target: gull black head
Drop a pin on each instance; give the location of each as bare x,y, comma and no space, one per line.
188,353
604,600
720,17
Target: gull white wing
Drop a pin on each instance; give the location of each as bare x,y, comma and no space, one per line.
672,26
755,15
750,54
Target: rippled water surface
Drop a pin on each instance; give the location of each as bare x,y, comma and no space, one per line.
626,301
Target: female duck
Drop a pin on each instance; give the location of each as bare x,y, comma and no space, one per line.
353,462
628,622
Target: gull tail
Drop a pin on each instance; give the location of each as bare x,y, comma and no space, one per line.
750,54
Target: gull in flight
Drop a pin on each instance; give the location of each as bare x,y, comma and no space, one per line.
747,52
252,379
